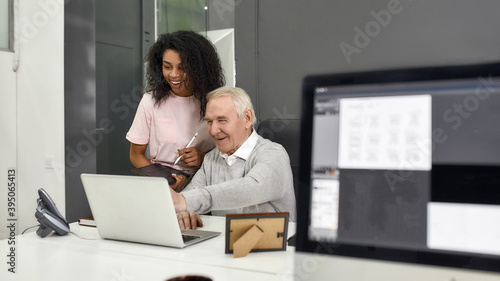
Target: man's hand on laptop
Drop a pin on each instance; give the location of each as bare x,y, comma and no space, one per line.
189,220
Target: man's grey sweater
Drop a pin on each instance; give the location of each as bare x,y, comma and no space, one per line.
261,184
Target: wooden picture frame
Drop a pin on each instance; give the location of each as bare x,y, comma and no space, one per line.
256,232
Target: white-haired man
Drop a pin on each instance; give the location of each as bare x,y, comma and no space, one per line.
245,173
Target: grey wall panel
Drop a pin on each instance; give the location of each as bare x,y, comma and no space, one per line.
148,28
279,42
246,49
295,38
79,102
102,89
118,94
118,22
119,80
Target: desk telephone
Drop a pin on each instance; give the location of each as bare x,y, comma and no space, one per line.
49,217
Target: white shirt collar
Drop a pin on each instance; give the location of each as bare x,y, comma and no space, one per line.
243,151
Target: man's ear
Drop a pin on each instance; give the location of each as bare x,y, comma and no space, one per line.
248,118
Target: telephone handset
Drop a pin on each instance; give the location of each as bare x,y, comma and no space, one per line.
49,217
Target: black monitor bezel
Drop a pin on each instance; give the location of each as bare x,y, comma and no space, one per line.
435,258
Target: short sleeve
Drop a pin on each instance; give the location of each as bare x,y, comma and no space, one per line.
140,130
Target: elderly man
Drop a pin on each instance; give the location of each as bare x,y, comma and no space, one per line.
245,173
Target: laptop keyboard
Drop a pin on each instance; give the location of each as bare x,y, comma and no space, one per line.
187,238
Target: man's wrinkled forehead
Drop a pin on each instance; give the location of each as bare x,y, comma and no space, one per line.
220,107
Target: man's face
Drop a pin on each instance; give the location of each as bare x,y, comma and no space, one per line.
228,130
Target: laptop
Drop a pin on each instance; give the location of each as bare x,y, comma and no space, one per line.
137,209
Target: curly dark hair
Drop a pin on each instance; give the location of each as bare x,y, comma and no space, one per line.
200,62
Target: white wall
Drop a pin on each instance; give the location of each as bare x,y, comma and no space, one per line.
8,137
36,102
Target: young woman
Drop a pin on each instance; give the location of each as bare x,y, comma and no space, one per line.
182,67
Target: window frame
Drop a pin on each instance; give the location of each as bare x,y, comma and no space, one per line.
10,7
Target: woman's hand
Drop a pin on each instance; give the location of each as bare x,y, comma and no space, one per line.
179,182
191,157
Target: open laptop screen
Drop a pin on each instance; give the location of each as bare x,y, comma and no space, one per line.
403,165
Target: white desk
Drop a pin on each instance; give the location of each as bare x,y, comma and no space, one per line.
83,255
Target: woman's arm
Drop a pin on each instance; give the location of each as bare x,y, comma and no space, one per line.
138,155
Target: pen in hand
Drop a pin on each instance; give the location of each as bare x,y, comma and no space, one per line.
189,143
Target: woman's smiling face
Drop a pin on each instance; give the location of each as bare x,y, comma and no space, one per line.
174,74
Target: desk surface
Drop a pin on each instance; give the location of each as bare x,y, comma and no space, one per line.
83,255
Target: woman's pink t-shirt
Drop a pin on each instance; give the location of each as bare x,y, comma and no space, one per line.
169,126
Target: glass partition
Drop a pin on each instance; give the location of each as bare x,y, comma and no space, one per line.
176,15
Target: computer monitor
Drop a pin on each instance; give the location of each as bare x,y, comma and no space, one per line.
402,165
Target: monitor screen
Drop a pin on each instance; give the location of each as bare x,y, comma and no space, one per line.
402,165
